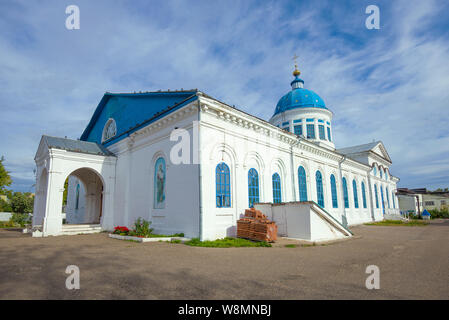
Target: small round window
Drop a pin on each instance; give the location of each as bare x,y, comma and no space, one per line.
110,130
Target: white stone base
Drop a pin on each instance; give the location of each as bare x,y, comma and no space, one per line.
138,239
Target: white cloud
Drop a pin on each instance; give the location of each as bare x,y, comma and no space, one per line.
388,84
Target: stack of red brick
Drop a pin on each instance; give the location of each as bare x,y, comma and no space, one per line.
255,226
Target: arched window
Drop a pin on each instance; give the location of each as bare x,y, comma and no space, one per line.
77,197
334,192
277,197
319,188
159,183
363,195
387,194
382,198
356,197
109,130
222,186
375,171
302,184
380,172
376,196
345,193
253,187
386,174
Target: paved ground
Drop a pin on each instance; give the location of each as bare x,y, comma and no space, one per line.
413,262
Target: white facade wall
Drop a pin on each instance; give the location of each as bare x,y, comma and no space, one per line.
74,214
136,158
243,142
53,168
225,135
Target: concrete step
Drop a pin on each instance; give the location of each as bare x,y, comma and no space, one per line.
71,229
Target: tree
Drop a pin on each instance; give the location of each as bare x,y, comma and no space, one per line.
5,206
5,178
22,202
64,195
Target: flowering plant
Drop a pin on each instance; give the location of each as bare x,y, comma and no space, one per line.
120,230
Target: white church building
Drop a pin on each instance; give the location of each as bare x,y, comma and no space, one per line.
190,163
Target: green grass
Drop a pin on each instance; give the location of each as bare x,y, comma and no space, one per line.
410,223
308,245
152,235
226,243
164,235
8,224
290,245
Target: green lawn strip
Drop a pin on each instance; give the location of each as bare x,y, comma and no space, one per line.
152,235
164,235
410,223
226,243
8,224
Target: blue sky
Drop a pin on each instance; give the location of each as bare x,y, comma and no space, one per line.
390,84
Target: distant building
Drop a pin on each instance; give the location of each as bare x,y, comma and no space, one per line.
418,200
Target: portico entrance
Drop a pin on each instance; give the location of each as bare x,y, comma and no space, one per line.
90,169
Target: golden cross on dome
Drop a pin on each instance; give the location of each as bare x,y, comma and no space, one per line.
295,57
296,72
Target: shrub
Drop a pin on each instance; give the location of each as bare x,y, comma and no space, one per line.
22,202
20,219
439,214
142,228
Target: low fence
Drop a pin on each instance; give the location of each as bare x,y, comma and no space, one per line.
5,216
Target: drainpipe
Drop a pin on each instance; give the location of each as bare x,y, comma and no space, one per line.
293,169
200,217
345,218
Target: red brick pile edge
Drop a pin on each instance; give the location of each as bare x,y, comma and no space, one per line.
255,226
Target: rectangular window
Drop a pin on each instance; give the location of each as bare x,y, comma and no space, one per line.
443,202
329,134
297,121
286,129
429,203
310,120
321,132
298,130
320,121
285,123
311,131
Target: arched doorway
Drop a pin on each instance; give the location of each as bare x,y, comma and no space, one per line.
84,197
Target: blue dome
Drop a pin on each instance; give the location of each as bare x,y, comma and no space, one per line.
299,98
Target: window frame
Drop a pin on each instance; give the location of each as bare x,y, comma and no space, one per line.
223,188
319,188
277,189
355,194
311,133
334,193
302,183
363,190
345,193
253,189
